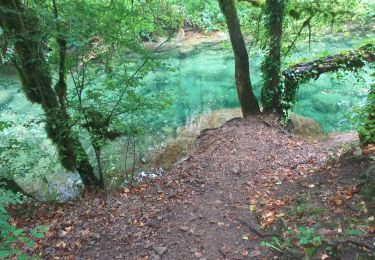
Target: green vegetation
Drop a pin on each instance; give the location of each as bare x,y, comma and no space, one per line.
10,236
88,88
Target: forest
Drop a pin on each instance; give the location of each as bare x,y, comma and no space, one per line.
170,129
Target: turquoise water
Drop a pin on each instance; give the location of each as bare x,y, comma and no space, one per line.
204,81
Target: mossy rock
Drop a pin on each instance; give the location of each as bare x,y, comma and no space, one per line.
304,126
327,102
5,97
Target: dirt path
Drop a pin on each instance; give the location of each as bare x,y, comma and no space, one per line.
199,209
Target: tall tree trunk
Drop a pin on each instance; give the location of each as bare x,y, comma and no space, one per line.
22,24
271,94
248,101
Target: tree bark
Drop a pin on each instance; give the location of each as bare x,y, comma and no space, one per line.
22,24
271,93
248,101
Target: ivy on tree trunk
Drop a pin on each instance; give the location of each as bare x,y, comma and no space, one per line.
271,92
248,101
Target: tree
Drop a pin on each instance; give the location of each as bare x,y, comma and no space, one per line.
271,92
21,24
248,101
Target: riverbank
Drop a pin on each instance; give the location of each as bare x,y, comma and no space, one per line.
244,175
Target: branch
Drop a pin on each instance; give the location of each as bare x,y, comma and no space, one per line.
302,72
110,114
306,23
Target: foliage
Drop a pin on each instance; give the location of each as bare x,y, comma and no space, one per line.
366,119
303,237
19,143
101,100
15,242
202,15
300,73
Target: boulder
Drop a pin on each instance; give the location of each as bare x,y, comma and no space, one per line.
304,126
64,186
5,97
60,186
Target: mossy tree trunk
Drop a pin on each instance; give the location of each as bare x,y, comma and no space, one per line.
300,73
248,101
367,134
21,24
271,94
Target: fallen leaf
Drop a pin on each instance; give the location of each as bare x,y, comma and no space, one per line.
371,229
61,245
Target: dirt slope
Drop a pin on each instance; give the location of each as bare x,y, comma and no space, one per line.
240,175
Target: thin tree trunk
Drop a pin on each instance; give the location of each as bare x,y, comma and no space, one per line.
22,24
271,93
248,101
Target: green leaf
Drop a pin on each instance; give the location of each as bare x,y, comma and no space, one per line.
354,232
4,253
18,232
22,257
31,244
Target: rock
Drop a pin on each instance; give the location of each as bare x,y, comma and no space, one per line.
65,185
255,253
60,186
304,126
160,250
236,169
198,254
149,245
358,152
180,35
5,97
35,187
184,228
325,232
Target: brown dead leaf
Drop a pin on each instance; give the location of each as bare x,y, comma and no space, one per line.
371,229
61,245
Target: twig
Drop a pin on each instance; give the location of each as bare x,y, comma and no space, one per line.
255,230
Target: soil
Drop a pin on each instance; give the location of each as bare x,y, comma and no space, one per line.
247,180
